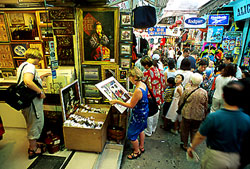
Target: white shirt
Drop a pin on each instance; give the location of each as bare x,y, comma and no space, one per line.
171,53
178,64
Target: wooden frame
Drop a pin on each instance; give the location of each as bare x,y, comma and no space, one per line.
126,19
125,63
122,75
108,17
18,49
90,90
109,71
91,72
61,13
126,34
25,29
6,60
43,18
46,31
63,27
4,36
125,49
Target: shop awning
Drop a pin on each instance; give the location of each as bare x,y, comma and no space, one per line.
211,6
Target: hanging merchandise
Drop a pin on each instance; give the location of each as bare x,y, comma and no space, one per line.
232,44
144,17
214,34
246,57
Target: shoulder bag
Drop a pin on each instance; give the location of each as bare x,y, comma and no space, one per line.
182,105
19,96
152,105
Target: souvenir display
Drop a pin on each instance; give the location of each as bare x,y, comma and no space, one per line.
122,75
61,14
125,49
3,29
125,63
126,34
65,51
82,122
19,49
125,19
109,71
91,73
6,60
100,34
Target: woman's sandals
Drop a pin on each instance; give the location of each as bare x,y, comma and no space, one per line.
134,155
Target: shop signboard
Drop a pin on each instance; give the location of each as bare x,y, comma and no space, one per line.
241,10
157,31
218,19
214,34
195,22
231,44
173,32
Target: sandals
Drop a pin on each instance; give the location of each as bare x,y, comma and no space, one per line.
33,154
142,150
134,155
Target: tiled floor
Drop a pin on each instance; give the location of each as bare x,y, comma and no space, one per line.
13,153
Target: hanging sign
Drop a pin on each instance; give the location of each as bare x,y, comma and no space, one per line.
241,10
195,22
214,34
218,19
231,44
157,31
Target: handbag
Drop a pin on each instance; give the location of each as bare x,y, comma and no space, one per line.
19,96
182,105
152,105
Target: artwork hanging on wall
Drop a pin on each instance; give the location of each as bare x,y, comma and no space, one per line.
125,19
91,72
3,29
109,71
6,60
125,49
126,34
125,63
63,27
57,14
18,50
65,51
100,31
90,90
44,17
23,25
122,75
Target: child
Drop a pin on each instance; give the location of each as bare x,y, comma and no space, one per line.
172,114
168,96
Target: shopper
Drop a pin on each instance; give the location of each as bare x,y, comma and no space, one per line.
227,75
2,131
156,61
34,113
185,70
194,110
185,54
155,81
229,60
202,65
223,131
172,111
168,97
139,105
170,71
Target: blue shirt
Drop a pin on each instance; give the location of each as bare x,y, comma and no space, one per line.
193,61
225,129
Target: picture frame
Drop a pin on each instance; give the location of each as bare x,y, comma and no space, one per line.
90,90
91,72
112,89
125,63
3,29
126,19
23,25
63,27
18,62
106,20
126,34
18,49
109,71
6,60
122,75
65,50
61,13
125,49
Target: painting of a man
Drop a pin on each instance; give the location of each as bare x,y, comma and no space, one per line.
98,43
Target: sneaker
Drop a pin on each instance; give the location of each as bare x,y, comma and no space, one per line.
175,132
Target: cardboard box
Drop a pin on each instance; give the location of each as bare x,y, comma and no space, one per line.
85,139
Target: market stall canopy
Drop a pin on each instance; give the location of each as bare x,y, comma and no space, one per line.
211,6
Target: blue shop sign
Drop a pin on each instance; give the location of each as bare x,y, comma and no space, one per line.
195,21
218,19
157,31
241,10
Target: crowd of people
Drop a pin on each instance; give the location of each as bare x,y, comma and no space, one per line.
197,98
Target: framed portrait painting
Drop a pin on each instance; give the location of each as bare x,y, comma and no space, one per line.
126,34
125,19
122,75
109,71
125,49
99,35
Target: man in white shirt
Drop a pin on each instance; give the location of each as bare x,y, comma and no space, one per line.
185,54
171,53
